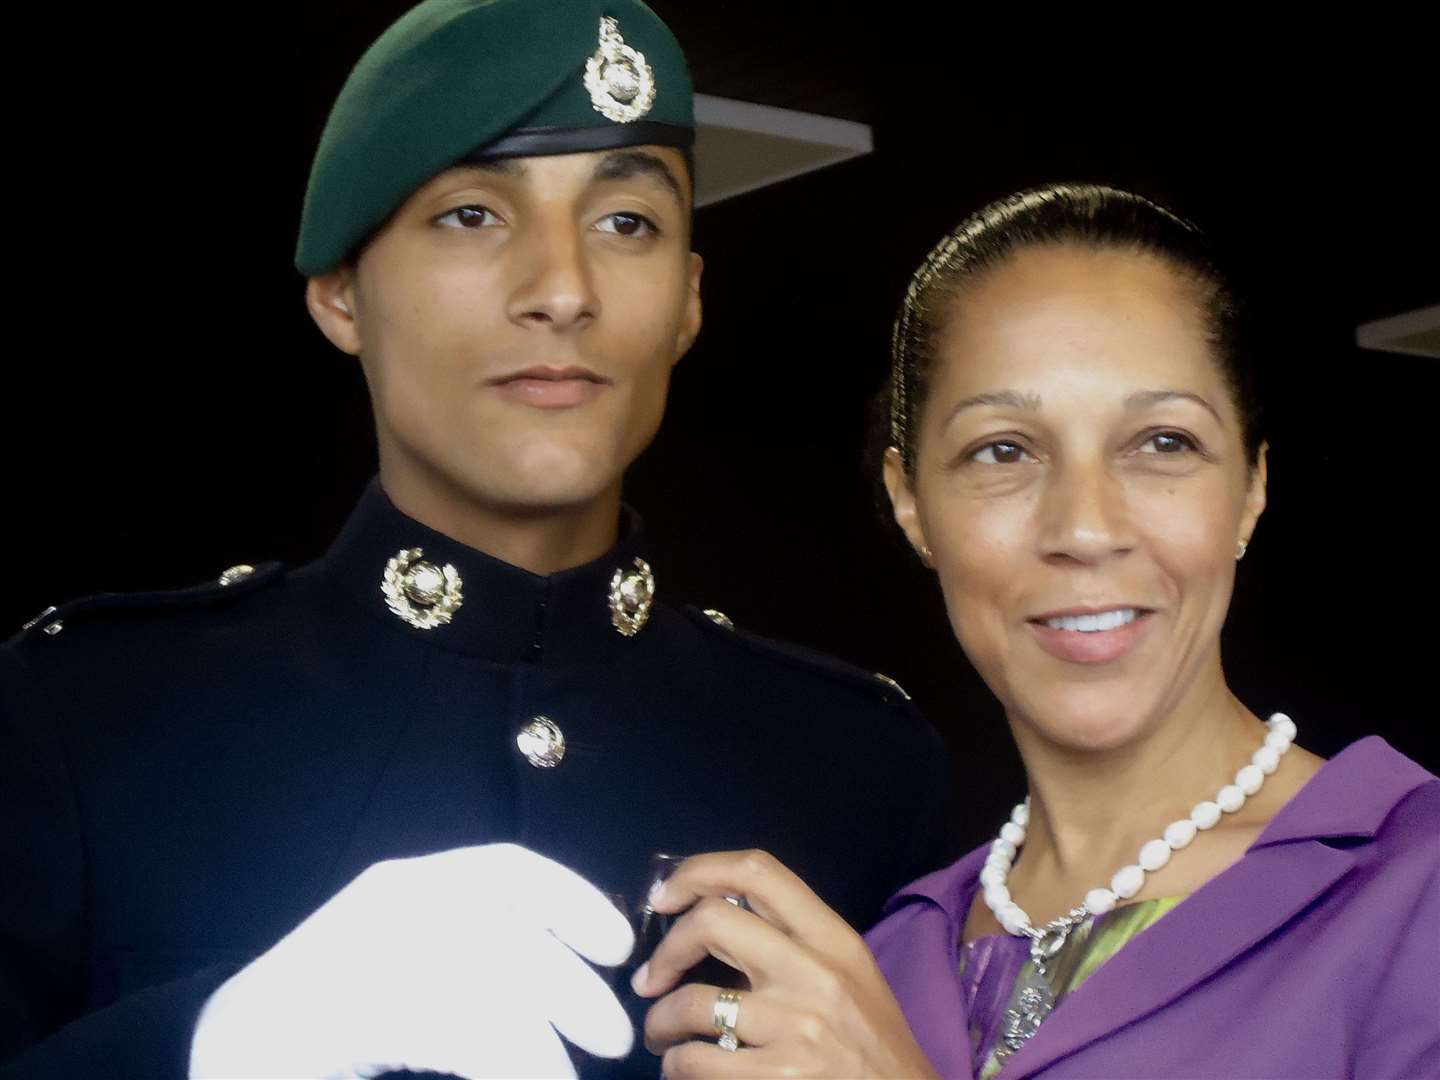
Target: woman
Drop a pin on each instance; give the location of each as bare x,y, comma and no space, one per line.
1078,455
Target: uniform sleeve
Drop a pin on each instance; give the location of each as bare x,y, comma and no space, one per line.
932,839
44,1028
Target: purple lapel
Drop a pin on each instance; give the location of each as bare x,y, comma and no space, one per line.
1280,875
919,954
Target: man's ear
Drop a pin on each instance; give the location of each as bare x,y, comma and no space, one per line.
330,299
693,316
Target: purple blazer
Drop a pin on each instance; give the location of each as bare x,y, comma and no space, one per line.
1316,955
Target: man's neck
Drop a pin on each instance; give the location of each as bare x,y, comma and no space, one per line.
540,540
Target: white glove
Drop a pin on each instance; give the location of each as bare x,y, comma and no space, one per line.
458,962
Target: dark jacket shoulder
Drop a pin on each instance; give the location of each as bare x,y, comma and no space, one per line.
224,591
798,660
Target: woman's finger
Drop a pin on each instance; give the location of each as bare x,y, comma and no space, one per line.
695,1060
688,1013
716,928
772,890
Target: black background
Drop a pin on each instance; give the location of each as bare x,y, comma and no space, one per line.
172,411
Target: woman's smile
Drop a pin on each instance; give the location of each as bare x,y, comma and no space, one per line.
1091,635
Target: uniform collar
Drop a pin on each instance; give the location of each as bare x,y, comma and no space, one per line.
506,614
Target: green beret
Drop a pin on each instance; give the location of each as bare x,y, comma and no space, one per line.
499,77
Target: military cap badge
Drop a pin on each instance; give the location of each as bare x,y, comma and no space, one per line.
619,81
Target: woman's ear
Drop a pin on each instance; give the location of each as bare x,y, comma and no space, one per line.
902,504
1254,497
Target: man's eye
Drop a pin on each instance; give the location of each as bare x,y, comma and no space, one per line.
627,225
1167,442
469,217
999,453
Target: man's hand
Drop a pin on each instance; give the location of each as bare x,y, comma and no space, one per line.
459,962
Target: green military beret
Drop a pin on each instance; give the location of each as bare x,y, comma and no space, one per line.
453,78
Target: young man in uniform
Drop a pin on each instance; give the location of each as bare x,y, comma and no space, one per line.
481,684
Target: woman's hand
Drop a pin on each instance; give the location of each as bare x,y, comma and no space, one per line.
818,1005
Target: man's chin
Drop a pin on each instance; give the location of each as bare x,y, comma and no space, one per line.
547,493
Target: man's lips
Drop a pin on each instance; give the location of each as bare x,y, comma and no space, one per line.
550,387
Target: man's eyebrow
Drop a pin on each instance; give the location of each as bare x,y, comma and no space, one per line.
1008,399
504,166
623,164
1143,399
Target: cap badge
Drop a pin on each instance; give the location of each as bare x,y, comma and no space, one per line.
421,593
620,83
631,593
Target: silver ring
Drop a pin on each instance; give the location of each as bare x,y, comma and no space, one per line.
725,1016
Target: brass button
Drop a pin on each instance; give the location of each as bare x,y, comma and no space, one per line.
719,618
542,742
236,574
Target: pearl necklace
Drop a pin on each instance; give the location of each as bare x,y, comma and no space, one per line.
1048,939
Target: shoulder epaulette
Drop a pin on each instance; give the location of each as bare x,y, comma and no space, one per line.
881,686
234,582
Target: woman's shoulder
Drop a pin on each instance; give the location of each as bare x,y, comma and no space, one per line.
1368,792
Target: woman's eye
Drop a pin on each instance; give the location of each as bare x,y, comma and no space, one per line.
469,217
999,453
1167,442
627,225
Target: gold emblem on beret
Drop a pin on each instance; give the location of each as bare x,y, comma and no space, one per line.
619,81
421,593
631,593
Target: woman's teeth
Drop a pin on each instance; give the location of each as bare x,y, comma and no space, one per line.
1091,624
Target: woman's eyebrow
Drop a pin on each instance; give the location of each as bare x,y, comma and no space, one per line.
1143,399
1009,399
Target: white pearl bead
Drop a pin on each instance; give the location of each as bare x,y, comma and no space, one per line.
1230,798
1154,855
1127,881
1178,834
1013,918
1277,740
1099,901
1205,815
1267,758
1281,722
996,897
1130,880
1249,779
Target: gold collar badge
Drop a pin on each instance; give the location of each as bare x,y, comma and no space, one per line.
631,593
421,593
620,83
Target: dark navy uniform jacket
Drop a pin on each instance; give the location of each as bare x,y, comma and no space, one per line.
185,776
